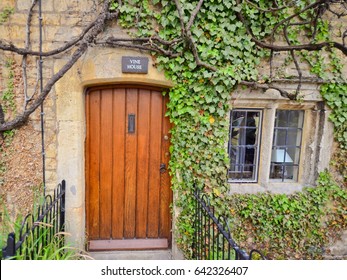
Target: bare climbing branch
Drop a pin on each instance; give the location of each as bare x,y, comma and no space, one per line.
25,51
25,57
287,21
194,14
180,14
88,39
264,86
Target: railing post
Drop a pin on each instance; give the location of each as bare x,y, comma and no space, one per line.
10,250
241,254
62,206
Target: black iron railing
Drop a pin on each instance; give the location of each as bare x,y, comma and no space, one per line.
38,229
213,240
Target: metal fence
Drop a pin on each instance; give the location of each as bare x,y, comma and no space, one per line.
39,228
212,235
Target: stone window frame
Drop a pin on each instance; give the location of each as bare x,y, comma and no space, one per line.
315,122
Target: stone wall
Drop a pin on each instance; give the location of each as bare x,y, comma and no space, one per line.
64,126
62,21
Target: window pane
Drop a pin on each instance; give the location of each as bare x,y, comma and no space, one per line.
251,136
296,119
250,155
248,172
238,118
242,172
287,137
281,119
286,145
289,118
294,137
237,154
243,144
280,137
282,172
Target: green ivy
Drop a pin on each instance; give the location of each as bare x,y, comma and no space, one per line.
7,96
199,105
335,95
296,226
5,14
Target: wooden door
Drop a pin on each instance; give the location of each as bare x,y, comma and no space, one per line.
128,190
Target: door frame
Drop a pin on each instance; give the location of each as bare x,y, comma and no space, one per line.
134,244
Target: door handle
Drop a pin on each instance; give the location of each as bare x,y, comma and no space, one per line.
162,168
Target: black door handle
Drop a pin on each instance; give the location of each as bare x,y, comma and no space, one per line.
162,168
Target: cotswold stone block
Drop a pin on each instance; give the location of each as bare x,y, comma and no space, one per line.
18,19
7,3
47,6
51,151
75,6
51,176
71,158
61,34
66,5
51,19
13,32
75,225
51,163
73,20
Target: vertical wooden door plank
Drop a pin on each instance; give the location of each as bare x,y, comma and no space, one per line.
165,186
119,125
94,160
154,163
142,162
106,164
87,166
130,166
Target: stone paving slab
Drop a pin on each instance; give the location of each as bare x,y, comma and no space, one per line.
132,255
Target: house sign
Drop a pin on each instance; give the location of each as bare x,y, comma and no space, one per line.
134,64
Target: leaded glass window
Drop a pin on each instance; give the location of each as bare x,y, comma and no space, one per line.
286,146
244,145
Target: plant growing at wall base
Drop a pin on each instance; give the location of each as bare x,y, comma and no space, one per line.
37,247
297,226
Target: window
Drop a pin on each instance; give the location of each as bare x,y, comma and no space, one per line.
286,145
244,145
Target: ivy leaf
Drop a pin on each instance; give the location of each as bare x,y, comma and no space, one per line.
212,109
216,192
192,65
219,88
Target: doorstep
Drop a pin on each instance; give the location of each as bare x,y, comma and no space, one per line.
132,255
